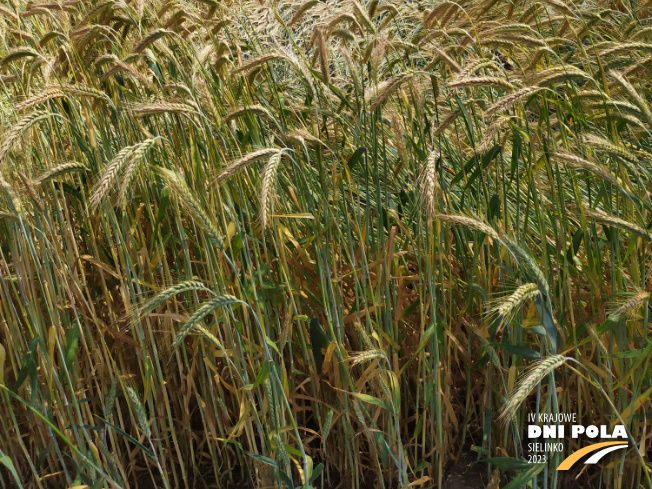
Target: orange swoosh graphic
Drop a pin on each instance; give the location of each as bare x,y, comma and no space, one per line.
571,459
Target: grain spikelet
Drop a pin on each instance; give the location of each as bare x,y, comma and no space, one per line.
109,176
147,109
636,97
55,91
508,306
627,309
604,218
384,89
509,100
468,222
139,410
627,47
268,188
447,121
198,316
606,146
10,197
192,206
322,49
165,295
52,173
582,164
252,109
302,136
492,130
17,53
245,161
149,39
481,81
302,10
442,55
256,62
365,356
535,375
17,129
559,74
430,185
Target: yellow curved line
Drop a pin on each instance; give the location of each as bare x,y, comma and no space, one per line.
574,457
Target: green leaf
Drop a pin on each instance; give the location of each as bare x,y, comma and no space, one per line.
145,450
509,463
525,477
316,473
6,461
371,400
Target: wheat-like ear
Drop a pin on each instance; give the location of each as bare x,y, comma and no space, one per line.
245,161
198,316
635,96
627,309
17,53
604,218
10,197
535,375
508,306
582,164
559,74
190,204
446,121
268,189
109,176
365,356
302,10
146,109
377,95
149,39
430,185
470,223
492,130
165,295
139,410
126,162
480,81
605,146
17,129
509,100
70,167
252,109
322,49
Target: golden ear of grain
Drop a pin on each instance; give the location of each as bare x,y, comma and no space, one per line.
536,374
481,81
252,109
468,222
12,200
268,189
628,308
604,218
492,131
17,53
430,185
191,205
384,90
17,129
509,100
508,306
237,165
